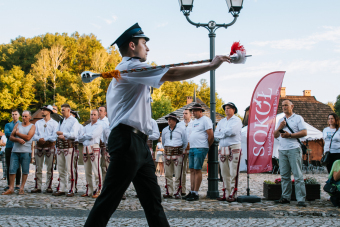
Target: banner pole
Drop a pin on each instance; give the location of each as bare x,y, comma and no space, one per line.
248,189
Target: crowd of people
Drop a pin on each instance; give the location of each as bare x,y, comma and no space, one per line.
180,144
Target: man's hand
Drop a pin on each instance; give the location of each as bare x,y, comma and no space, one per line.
285,135
282,125
218,60
21,141
60,133
41,141
62,137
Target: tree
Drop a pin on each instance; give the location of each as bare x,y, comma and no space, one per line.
90,90
16,91
57,55
161,107
331,105
41,69
337,106
203,92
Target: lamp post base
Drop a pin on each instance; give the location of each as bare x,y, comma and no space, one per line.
248,199
213,194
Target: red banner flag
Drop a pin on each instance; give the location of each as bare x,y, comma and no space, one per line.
261,122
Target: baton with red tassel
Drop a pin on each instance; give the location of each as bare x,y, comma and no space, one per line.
237,55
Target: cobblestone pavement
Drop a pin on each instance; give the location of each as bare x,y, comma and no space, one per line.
320,212
76,221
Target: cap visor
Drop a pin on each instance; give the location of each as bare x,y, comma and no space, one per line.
142,36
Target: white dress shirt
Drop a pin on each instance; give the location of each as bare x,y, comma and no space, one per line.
69,127
128,100
46,130
155,131
91,134
179,137
80,131
188,127
297,124
105,124
229,131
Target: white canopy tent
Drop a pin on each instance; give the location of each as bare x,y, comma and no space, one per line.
312,134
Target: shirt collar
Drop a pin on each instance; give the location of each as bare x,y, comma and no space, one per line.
290,116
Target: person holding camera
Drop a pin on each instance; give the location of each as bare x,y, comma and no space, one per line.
290,129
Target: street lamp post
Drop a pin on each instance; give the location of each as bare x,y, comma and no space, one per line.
234,8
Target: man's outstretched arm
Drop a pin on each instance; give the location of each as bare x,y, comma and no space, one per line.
184,73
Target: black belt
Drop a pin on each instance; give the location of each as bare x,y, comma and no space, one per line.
136,131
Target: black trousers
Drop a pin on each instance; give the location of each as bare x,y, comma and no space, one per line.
332,158
130,161
8,152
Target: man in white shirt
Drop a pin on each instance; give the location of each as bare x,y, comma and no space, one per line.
45,137
129,109
154,136
80,127
290,154
228,131
90,138
105,157
174,139
201,138
68,132
187,124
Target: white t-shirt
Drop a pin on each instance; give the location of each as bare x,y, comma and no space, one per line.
199,136
296,123
327,135
188,127
4,140
160,146
128,100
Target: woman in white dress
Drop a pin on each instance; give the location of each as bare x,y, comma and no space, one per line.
159,157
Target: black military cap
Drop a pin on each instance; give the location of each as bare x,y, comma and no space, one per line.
135,31
232,105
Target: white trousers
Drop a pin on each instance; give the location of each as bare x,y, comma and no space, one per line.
229,159
105,161
40,154
173,165
92,159
65,158
184,173
75,166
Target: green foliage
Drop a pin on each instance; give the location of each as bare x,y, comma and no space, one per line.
269,182
337,106
16,91
32,70
161,107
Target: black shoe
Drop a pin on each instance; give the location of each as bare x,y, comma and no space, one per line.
187,196
6,188
193,197
301,204
282,201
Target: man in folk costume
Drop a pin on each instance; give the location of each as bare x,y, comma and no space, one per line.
91,154
129,110
228,131
174,139
105,157
68,132
76,148
187,124
154,136
45,137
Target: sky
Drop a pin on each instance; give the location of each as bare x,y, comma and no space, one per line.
299,37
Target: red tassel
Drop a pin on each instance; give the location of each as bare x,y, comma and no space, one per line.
236,46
